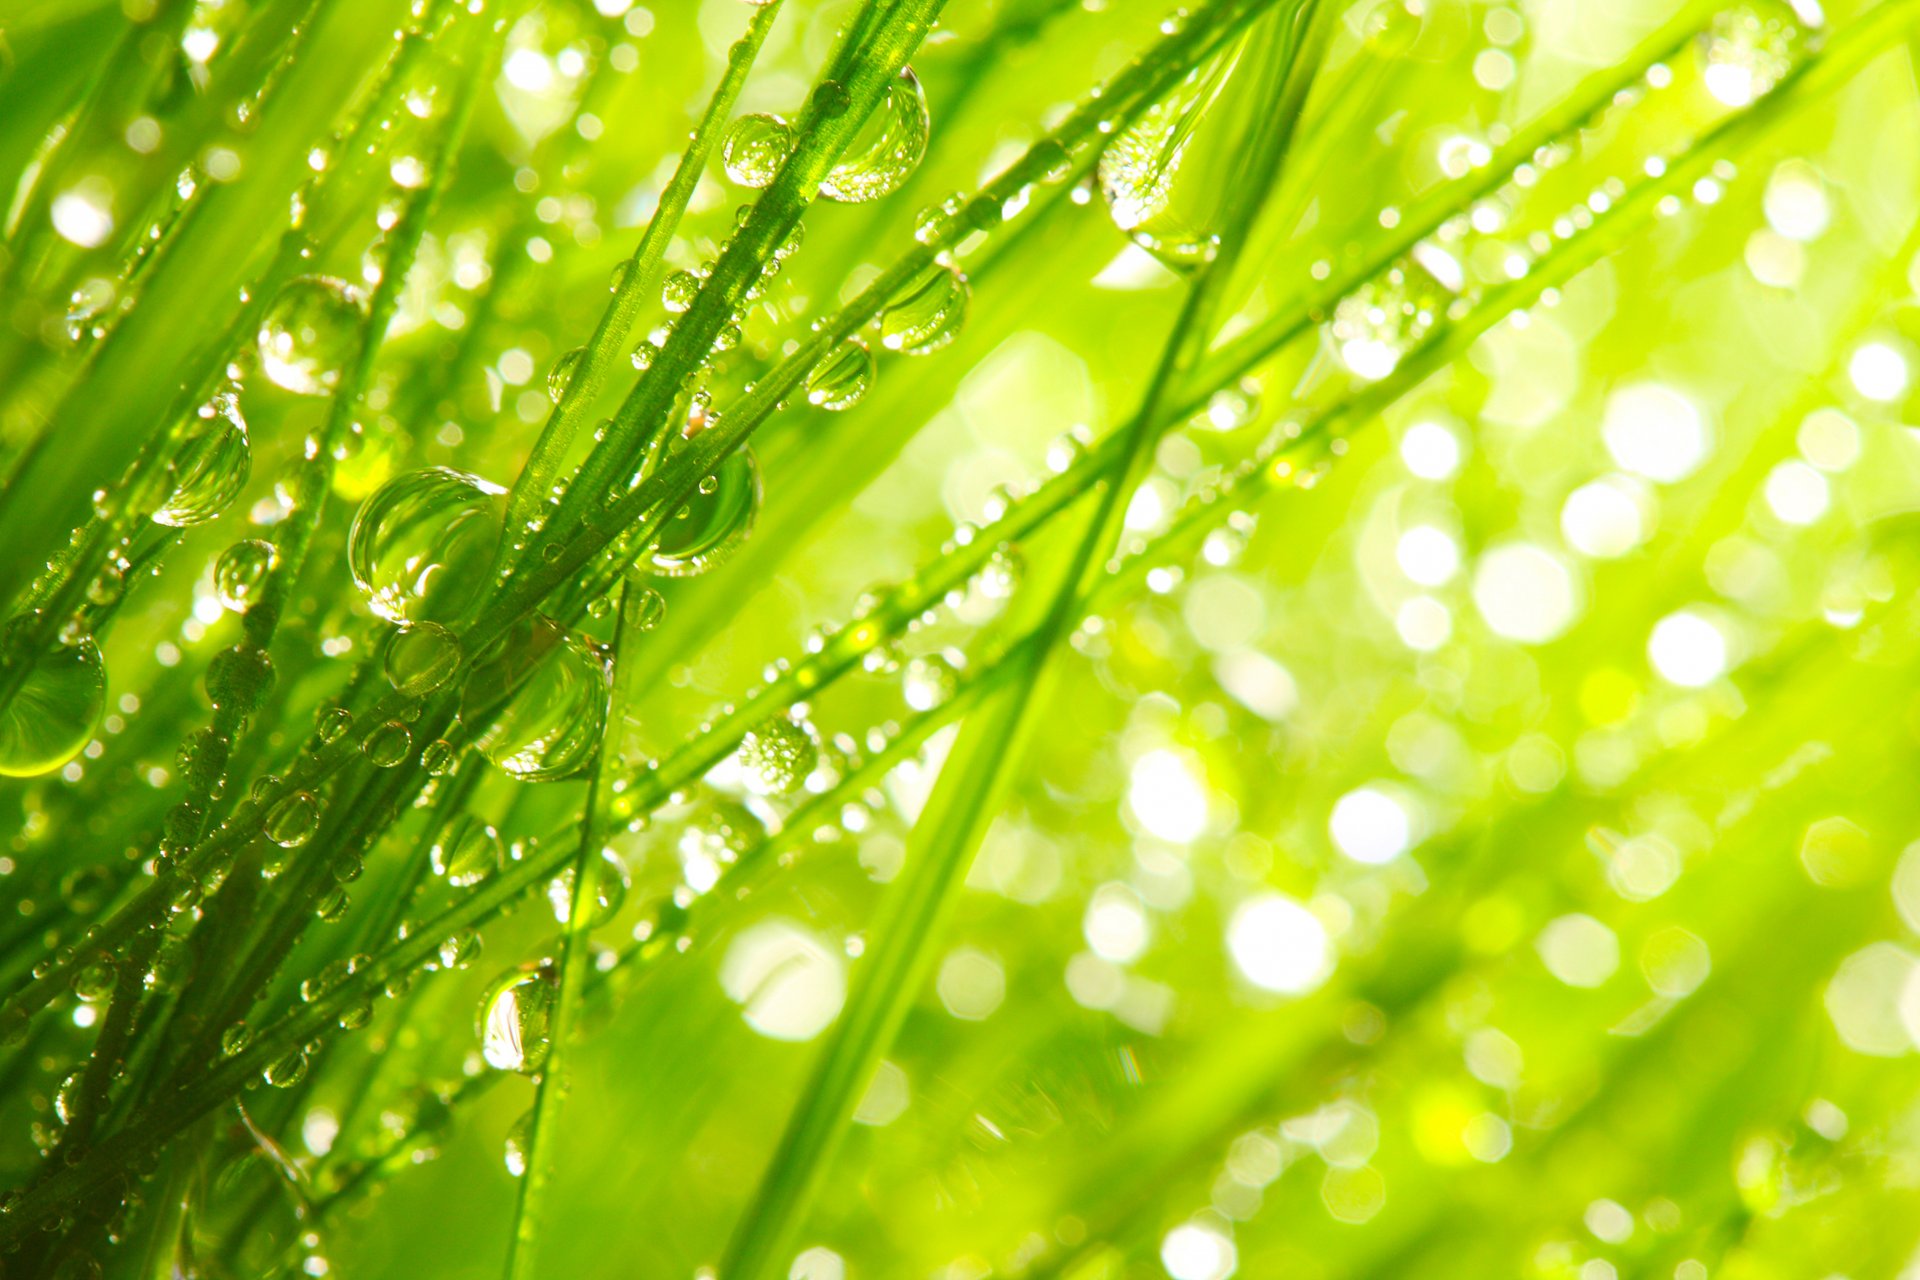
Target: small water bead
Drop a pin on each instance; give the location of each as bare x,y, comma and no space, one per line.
679,291
421,543
287,1070
927,314
520,1137
330,723
1392,27
310,334
754,149
713,523
212,466
290,823
646,609
887,148
542,696
842,377
777,755
242,571
516,1019
438,757
1749,49
53,714
422,658
459,949
466,852
929,681
86,889
560,377
1000,577
1376,325
94,982
388,746
609,891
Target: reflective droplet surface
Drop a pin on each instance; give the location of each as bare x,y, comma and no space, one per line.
929,681
842,378
560,377
542,697
927,314
51,717
516,1018
421,658
420,544
519,1143
1749,49
777,755
467,852
310,334
242,571
677,294
714,521
609,891
210,469
888,147
290,822
754,148
388,745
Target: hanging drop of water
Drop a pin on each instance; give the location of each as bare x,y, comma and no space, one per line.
560,377
927,313
541,694
714,521
519,1144
310,334
211,468
777,755
290,822
646,609
754,149
842,377
420,544
516,1018
887,148
288,1069
929,681
241,571
53,713
609,891
1749,49
389,745
421,658
677,294
459,949
467,852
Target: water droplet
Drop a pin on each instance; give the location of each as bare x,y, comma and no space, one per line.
51,717
438,757
459,949
290,822
925,315
467,852
1750,49
842,377
561,376
242,571
754,149
646,610
777,755
86,889
887,148
420,544
519,1145
389,745
330,724
929,681
421,658
542,695
609,891
677,294
211,468
711,524
516,1019
287,1070
1376,325
310,334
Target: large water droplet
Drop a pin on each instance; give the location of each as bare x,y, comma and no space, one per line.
777,755
516,1019
542,695
53,714
420,544
1750,49
560,377
519,1144
842,377
421,658
310,334
609,891
290,822
887,148
211,467
714,521
242,571
754,149
925,315
1376,325
467,852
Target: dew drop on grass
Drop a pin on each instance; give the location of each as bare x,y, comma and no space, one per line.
420,544
210,469
421,658
714,521
466,852
310,334
330,723
53,713
516,1018
459,949
290,822
86,889
927,313
288,1069
1749,49
777,755
754,148
928,681
887,148
388,746
241,572
842,377
1376,325
519,1143
560,377
609,891
677,294
541,694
